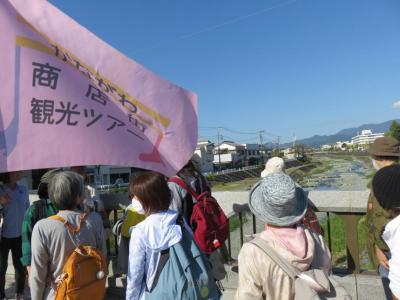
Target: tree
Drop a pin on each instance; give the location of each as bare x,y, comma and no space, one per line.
394,130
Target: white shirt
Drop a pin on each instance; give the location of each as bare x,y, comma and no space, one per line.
391,236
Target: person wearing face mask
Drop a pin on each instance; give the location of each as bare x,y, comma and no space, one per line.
133,215
13,213
384,152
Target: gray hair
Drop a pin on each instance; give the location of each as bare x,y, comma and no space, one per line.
65,189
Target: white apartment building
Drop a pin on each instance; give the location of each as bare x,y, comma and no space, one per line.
229,154
204,157
365,138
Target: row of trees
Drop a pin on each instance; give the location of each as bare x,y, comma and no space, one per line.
394,130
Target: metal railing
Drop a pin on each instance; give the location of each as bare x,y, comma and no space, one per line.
349,206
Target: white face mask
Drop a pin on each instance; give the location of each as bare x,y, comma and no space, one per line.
375,164
137,206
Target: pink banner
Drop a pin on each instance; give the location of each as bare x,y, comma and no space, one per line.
68,98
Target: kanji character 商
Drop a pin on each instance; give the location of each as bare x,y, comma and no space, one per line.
45,75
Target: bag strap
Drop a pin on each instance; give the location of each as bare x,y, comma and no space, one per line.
183,185
68,225
291,271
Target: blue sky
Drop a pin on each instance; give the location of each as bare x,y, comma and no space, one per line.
300,67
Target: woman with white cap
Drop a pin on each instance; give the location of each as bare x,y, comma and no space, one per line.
310,220
281,205
273,165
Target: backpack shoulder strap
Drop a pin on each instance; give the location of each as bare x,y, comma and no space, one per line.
40,206
164,257
283,264
183,185
68,225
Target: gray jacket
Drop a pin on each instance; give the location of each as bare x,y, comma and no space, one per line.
52,245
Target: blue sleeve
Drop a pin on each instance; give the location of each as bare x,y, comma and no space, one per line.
136,267
27,203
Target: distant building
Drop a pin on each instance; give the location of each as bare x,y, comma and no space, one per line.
204,157
289,153
346,145
253,153
363,140
326,147
229,154
110,174
95,175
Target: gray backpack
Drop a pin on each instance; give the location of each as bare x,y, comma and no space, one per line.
309,285
183,272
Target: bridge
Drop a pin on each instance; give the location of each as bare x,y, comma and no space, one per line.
350,206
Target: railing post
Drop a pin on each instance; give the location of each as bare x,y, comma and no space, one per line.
328,223
229,239
115,213
254,224
351,234
241,229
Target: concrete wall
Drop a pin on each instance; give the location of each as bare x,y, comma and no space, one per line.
332,201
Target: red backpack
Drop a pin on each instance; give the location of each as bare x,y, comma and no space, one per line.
208,221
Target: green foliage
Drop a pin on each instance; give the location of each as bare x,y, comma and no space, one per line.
324,167
234,222
210,177
394,130
339,255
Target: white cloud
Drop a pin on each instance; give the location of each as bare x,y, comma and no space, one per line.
396,104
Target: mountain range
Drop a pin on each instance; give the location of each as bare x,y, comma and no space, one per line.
343,135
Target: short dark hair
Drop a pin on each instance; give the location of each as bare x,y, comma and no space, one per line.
5,177
152,191
42,191
65,188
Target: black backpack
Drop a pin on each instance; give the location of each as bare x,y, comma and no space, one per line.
40,210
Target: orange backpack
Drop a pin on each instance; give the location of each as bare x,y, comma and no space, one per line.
85,271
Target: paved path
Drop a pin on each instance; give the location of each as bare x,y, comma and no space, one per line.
363,287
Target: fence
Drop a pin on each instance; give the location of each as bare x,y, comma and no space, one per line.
350,206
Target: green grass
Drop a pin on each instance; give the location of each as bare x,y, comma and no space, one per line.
241,185
324,167
247,184
234,222
347,157
339,243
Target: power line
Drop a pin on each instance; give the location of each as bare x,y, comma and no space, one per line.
214,27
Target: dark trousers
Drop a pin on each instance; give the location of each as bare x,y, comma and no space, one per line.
15,245
384,273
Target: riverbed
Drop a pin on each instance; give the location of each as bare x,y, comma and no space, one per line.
350,173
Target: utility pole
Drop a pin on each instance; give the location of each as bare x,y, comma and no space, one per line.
219,148
279,150
294,140
262,145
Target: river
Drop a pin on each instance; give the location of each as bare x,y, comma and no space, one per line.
349,173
